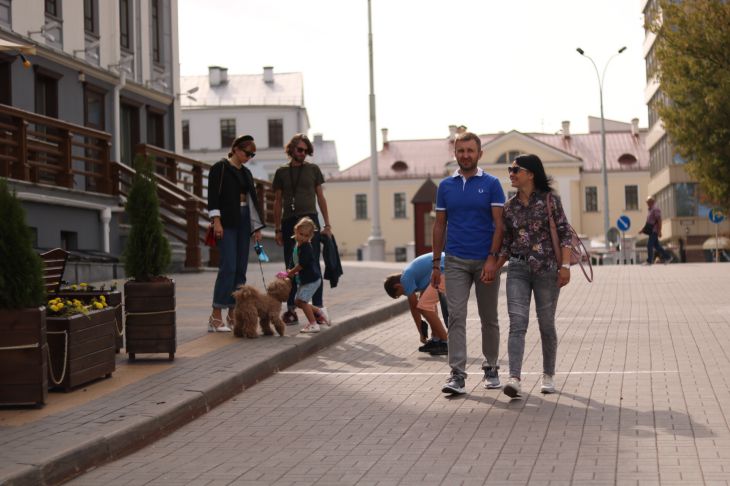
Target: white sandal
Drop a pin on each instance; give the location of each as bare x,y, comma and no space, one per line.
216,325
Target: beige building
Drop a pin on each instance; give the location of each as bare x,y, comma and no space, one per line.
685,223
410,170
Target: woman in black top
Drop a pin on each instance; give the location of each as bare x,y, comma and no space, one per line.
234,209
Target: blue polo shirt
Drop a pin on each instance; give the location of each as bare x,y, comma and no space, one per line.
468,204
417,275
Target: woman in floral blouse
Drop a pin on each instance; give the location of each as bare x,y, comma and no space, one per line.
533,267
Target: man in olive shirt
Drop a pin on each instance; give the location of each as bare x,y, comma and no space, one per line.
298,190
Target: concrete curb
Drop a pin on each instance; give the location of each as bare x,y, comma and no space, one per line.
185,407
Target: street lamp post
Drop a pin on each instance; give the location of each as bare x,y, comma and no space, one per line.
376,243
604,172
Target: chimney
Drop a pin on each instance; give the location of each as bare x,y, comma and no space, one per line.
214,75
384,131
269,74
635,127
217,75
452,133
317,139
566,129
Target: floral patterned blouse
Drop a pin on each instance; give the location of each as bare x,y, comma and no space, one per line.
527,231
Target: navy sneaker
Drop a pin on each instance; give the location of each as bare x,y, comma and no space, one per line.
441,349
491,378
428,346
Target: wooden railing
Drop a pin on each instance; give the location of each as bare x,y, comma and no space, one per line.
45,150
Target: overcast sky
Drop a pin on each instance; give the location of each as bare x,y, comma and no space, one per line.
492,65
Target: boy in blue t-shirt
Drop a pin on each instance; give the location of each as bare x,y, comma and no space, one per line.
416,278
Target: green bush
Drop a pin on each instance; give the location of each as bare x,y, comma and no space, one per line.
21,268
147,254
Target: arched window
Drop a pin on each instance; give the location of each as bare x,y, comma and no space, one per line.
399,166
627,159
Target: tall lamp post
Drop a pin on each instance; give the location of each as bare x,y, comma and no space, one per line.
376,242
604,172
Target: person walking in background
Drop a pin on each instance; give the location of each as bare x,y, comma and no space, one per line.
234,209
306,273
654,222
297,192
469,216
533,266
416,279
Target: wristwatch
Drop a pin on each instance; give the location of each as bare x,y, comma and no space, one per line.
565,265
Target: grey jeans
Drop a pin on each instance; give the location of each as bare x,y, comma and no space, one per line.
461,275
521,284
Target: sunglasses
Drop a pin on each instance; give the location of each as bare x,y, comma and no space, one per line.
515,169
301,150
250,155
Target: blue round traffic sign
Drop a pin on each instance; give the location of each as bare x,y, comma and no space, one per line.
716,216
623,223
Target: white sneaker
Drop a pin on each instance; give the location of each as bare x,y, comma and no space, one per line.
310,328
548,384
323,317
513,389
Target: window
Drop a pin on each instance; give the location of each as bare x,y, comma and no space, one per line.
399,205
5,13
69,240
125,39
156,129
276,133
52,8
508,157
46,95
94,108
5,91
90,17
129,131
155,12
228,132
631,194
591,199
361,206
186,134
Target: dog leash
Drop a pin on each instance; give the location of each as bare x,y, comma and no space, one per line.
262,273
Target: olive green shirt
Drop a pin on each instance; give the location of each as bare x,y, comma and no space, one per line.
298,186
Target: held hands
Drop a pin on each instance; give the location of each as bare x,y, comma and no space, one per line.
489,270
563,276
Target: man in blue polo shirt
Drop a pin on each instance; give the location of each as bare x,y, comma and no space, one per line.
469,213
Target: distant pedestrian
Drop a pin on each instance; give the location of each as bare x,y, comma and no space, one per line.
654,221
533,266
415,283
305,271
233,207
297,192
469,216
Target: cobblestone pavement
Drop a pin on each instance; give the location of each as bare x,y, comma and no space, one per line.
642,399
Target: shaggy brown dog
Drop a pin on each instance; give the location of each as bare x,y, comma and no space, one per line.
253,308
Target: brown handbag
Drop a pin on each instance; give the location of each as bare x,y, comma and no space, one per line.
578,253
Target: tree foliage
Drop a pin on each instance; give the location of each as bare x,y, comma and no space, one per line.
147,253
21,269
693,54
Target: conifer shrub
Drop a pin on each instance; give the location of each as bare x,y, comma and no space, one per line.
21,268
147,253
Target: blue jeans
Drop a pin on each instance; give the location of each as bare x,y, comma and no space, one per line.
233,249
287,230
461,275
652,245
521,284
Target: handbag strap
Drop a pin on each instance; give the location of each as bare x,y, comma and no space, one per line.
553,229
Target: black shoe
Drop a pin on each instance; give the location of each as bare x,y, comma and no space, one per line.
428,346
290,318
441,349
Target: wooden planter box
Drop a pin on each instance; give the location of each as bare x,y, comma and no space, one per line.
23,351
86,341
113,299
150,318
